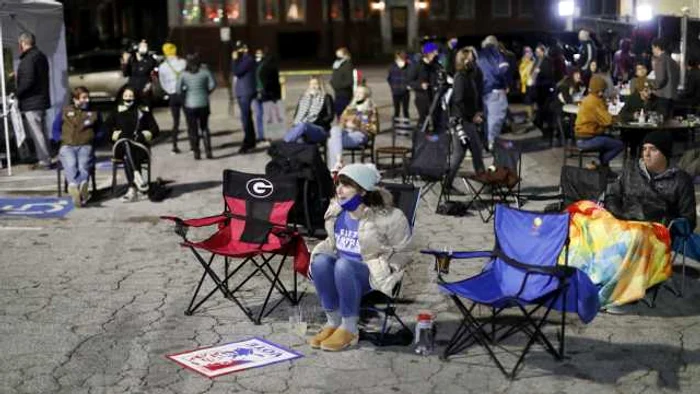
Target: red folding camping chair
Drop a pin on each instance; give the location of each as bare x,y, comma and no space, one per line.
252,228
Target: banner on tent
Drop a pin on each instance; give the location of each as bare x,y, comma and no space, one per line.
232,357
35,207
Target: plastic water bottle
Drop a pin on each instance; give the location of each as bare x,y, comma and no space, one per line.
425,334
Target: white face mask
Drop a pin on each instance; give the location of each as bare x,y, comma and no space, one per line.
143,49
400,63
258,58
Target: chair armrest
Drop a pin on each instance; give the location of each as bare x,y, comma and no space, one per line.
682,226
460,254
181,225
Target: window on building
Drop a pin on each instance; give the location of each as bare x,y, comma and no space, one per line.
235,12
268,11
359,10
465,9
336,10
526,8
295,10
204,12
438,9
500,8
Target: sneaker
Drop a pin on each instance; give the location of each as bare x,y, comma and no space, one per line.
84,192
74,194
263,144
175,150
339,340
130,195
141,184
325,333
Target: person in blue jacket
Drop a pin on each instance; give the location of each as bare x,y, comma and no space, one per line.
497,75
244,70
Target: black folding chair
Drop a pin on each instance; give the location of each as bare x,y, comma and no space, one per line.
503,183
429,163
406,198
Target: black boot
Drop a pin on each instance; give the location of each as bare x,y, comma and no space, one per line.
206,137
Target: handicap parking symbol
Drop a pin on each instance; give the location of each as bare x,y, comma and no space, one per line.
35,207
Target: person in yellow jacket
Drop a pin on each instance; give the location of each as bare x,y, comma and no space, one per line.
593,120
525,71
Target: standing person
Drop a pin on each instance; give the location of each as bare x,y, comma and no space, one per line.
139,69
244,71
525,67
269,91
543,77
358,123
495,70
425,82
587,53
313,116
367,248
169,75
465,111
342,80
79,128
196,85
623,62
33,94
133,128
667,77
398,82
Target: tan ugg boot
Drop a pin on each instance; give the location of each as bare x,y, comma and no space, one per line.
340,340
325,333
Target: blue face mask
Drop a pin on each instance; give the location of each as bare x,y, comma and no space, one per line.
351,203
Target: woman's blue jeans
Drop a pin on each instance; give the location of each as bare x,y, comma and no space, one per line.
340,283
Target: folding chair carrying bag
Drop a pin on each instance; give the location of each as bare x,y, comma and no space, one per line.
430,152
303,162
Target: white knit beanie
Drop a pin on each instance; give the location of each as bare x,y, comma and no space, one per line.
365,175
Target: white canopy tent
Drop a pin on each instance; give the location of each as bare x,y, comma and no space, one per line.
44,19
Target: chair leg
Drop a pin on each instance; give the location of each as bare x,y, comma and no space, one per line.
114,179
58,181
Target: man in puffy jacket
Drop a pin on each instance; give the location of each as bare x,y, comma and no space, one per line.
244,69
650,189
497,78
33,94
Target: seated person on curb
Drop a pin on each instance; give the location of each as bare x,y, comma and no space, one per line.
651,189
77,128
466,114
366,248
313,116
358,123
132,127
639,100
592,121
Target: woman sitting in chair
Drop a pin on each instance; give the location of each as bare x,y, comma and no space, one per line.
133,128
358,123
366,249
314,115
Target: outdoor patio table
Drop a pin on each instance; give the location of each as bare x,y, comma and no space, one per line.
632,133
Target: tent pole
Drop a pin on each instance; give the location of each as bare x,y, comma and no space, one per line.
3,91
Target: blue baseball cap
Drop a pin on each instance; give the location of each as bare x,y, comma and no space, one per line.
430,47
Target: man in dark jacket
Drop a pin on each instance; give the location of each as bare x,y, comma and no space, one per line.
667,74
33,94
139,69
650,189
342,80
587,53
267,85
425,83
244,70
497,78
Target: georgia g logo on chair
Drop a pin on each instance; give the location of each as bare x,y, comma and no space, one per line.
259,187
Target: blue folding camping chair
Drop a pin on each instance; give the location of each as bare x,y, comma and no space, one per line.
522,272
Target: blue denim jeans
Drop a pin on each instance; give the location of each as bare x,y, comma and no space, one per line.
340,283
607,146
76,162
496,107
259,114
306,132
341,138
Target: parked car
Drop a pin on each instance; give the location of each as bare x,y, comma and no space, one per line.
100,71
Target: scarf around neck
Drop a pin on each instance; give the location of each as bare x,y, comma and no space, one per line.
309,108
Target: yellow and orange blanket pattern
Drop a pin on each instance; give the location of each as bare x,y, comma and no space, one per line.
623,258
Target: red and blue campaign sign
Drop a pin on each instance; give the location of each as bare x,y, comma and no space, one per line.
35,207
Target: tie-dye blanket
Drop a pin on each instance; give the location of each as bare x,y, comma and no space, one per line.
623,258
